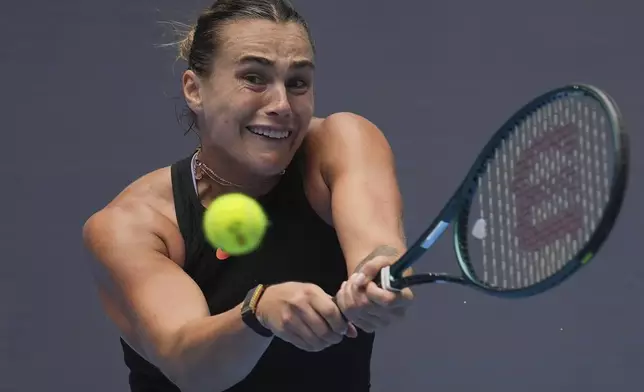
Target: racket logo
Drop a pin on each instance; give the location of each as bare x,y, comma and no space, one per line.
547,185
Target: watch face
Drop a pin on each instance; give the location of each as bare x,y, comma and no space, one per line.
247,308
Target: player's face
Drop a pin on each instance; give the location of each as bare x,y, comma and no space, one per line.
258,103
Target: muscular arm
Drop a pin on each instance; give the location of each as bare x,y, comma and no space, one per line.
160,310
357,165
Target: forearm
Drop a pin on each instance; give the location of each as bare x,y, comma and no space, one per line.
215,353
392,252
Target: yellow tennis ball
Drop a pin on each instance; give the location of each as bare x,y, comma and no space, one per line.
235,223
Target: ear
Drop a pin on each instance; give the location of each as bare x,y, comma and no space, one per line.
192,90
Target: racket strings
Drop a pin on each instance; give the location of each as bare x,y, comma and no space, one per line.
541,194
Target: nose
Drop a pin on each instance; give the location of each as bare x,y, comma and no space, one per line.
279,105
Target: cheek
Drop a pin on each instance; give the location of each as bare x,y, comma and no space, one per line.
302,135
247,101
304,106
229,109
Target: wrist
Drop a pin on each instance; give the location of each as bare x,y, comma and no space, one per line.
251,315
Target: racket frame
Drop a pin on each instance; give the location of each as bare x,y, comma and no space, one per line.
456,211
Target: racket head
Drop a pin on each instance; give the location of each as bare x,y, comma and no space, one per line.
557,133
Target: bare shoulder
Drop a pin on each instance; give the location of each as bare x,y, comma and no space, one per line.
144,206
331,122
341,137
329,140
331,136
138,253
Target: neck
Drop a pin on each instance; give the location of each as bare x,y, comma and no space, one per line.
220,173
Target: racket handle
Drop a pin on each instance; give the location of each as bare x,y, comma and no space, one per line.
382,280
385,280
378,280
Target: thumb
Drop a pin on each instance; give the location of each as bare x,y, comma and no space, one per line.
369,270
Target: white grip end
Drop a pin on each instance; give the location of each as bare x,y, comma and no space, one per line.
385,279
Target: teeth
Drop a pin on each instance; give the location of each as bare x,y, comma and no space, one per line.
270,132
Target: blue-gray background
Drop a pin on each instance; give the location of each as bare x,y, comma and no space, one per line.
88,105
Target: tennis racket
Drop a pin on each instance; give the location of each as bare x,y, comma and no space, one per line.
539,201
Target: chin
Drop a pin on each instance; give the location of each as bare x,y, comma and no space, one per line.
270,164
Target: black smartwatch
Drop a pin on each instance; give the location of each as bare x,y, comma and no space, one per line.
249,307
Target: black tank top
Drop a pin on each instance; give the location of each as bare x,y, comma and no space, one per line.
299,246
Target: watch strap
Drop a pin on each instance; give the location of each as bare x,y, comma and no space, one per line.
249,308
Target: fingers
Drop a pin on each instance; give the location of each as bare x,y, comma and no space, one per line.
307,317
370,270
370,322
379,296
330,313
293,336
304,335
313,322
370,307
368,296
360,281
324,320
388,298
352,332
359,310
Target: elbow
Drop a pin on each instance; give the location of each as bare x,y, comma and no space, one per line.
179,372
171,364
190,375
166,354
191,379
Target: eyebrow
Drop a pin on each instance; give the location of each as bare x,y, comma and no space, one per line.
253,59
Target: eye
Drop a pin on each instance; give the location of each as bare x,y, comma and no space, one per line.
254,79
298,84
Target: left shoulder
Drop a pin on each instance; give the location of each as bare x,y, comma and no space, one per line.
344,126
340,143
346,143
345,135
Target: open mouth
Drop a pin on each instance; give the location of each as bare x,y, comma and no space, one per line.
269,133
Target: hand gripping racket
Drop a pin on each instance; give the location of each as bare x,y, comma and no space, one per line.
539,201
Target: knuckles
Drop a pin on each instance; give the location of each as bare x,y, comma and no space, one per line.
303,297
362,301
287,317
294,310
329,312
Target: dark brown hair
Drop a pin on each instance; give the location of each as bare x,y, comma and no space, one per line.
199,47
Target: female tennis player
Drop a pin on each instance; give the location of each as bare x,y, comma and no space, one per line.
192,319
